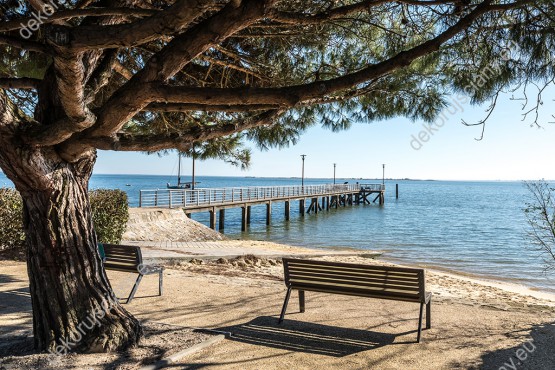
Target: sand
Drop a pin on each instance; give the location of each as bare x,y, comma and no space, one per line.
476,324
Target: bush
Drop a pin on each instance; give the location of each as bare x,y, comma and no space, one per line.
11,220
110,212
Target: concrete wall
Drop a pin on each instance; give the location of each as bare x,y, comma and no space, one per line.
149,224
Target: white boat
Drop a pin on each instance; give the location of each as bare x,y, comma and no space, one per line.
186,184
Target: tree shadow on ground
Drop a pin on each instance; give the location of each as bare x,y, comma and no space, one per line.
15,337
307,337
160,339
535,351
5,279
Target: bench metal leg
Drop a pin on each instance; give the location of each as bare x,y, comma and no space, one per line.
285,305
134,290
160,280
420,322
429,315
301,300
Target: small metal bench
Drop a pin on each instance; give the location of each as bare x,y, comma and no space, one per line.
128,258
394,283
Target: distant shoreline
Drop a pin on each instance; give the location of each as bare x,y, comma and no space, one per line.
318,178
328,178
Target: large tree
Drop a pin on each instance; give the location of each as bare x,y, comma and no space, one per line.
154,75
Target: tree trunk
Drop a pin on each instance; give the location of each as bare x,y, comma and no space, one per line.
74,308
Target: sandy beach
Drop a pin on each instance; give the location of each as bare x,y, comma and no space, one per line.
476,324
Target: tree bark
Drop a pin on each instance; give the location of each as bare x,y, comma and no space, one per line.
74,308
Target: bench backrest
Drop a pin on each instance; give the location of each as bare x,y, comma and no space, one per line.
406,284
122,257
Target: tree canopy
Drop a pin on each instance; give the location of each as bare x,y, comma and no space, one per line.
156,75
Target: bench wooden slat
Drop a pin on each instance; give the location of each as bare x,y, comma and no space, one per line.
125,262
122,259
361,278
350,266
351,285
359,284
121,268
120,263
122,255
357,272
357,293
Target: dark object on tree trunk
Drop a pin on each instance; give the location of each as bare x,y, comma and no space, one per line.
129,258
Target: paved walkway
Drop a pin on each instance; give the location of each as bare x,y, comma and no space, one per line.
216,249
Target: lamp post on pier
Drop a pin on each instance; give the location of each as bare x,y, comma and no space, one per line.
302,177
335,164
193,176
383,175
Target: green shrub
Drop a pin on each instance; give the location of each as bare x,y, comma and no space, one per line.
110,212
109,208
11,220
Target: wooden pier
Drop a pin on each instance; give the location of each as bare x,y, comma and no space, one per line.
217,200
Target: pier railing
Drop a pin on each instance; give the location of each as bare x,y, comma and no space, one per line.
187,198
372,187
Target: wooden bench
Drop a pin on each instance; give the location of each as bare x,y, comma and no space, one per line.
394,283
128,258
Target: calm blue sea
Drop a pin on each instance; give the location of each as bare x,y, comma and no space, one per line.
473,227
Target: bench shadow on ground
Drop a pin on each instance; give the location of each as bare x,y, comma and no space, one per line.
300,336
535,350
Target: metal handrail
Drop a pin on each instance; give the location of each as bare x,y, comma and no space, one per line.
186,198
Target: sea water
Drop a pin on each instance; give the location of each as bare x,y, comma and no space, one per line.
473,227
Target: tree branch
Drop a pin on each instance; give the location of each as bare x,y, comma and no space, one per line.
183,140
177,107
166,22
11,118
123,71
76,13
69,67
335,13
19,43
71,74
101,75
19,83
343,11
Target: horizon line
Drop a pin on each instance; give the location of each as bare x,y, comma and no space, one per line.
331,178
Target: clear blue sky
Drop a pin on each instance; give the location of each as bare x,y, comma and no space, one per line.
510,150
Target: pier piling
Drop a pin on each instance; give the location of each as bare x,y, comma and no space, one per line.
287,209
268,213
244,218
221,220
213,219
